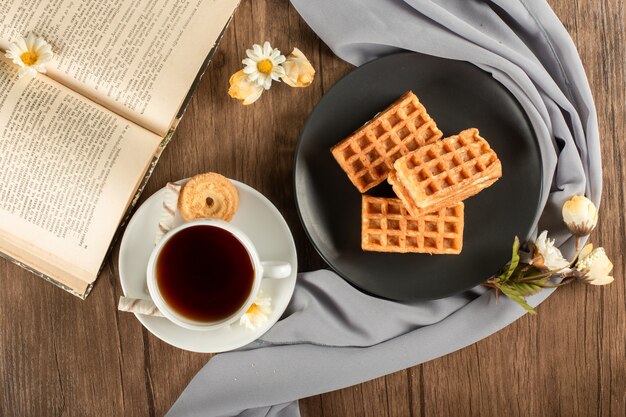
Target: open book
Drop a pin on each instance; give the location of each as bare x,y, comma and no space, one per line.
78,143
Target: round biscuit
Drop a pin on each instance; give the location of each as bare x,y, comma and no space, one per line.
210,196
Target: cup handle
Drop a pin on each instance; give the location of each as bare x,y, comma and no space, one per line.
276,269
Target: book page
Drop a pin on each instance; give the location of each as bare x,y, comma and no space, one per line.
69,170
138,58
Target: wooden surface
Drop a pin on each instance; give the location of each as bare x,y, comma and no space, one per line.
60,356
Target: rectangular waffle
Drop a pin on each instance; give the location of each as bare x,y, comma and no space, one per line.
445,172
386,226
368,154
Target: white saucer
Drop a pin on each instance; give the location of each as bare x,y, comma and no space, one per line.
263,224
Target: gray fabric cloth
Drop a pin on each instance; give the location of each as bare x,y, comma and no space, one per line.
333,336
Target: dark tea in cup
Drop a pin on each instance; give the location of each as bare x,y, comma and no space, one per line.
204,273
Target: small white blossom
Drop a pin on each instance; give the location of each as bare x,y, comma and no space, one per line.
594,266
547,256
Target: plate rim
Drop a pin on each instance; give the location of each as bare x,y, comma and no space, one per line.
297,152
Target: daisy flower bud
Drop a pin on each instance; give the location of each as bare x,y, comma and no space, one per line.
580,215
298,70
243,89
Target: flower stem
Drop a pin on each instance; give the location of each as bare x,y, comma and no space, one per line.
552,272
565,281
538,276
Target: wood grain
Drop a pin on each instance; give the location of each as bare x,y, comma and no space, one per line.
60,356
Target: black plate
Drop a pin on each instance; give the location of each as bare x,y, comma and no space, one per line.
457,95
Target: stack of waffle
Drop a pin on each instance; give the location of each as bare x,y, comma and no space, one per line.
430,176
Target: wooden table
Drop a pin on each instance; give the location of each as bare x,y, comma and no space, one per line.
60,356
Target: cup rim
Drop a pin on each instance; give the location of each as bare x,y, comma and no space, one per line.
169,313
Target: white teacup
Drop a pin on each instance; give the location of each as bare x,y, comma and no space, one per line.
267,269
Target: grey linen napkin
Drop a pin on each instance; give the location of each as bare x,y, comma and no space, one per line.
333,336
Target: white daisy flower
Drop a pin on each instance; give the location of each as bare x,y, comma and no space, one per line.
31,54
258,313
263,65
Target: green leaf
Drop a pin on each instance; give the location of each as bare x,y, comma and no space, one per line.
527,288
524,270
514,294
510,267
